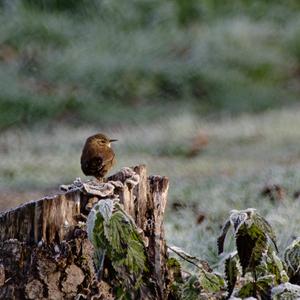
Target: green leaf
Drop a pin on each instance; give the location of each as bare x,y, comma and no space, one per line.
105,208
122,294
174,269
211,282
135,259
114,235
266,280
267,229
90,224
117,232
252,236
231,272
101,211
247,290
264,285
95,229
175,280
258,250
191,289
200,264
272,264
127,248
286,291
245,245
292,259
221,238
98,237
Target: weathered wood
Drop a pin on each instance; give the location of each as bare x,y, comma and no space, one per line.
44,251
158,190
49,219
140,192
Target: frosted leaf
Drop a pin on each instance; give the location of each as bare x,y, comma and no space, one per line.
286,291
201,264
253,235
292,256
221,238
105,208
231,271
90,224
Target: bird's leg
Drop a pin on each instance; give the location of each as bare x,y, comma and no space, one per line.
100,179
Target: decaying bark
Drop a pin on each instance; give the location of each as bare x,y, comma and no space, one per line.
44,250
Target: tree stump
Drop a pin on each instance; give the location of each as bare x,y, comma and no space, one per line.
44,250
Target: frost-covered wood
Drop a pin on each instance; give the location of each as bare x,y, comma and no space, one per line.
44,250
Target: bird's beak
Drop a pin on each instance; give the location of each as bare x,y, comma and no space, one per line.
113,140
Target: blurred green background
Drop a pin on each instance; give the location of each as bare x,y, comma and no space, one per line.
74,60
205,92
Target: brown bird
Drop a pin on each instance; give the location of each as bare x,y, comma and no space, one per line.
97,156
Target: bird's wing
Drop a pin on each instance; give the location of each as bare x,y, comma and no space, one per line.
107,155
91,160
92,165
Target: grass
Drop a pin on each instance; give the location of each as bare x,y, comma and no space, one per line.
58,63
243,154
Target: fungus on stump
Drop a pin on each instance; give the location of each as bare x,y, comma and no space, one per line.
45,253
